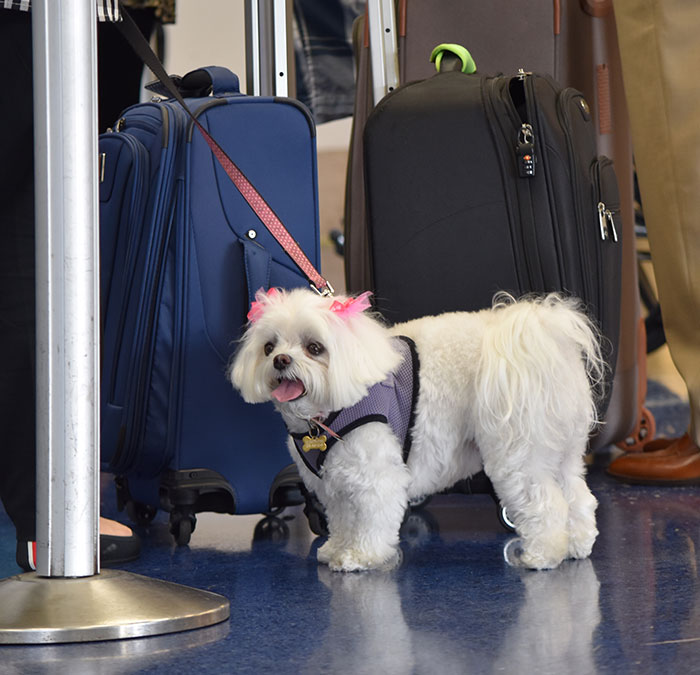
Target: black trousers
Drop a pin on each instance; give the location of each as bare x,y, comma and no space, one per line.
119,76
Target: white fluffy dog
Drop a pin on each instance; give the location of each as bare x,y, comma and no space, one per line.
508,389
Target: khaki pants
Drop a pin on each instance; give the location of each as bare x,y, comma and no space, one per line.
660,50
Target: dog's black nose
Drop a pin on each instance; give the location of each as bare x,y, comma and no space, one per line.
282,361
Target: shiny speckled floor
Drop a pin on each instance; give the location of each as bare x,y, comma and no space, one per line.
455,605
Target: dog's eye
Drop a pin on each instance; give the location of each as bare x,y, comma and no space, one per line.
268,348
315,348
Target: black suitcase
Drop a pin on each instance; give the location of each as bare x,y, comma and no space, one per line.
481,184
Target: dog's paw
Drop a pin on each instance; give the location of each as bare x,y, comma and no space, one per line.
326,552
347,562
539,560
358,561
535,556
581,542
545,548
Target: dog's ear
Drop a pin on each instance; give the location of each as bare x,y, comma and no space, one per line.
363,354
242,371
243,368
261,302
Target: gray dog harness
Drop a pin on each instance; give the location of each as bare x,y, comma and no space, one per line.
392,401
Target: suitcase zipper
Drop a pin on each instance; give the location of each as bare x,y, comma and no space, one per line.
594,211
160,223
527,139
582,219
505,121
138,120
175,125
121,371
140,172
606,211
525,148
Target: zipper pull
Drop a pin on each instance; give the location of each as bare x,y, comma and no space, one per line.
525,151
602,221
611,224
606,222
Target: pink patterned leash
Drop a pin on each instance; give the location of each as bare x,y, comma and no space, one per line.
263,211
255,200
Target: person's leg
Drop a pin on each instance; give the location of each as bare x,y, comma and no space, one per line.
119,69
17,375
660,53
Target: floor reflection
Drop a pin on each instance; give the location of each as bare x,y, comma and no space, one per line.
556,622
116,657
455,605
370,632
650,538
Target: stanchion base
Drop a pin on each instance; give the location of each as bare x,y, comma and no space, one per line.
112,605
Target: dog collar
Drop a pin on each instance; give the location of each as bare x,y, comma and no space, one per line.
391,401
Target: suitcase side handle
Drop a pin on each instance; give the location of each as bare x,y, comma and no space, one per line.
214,80
218,80
468,64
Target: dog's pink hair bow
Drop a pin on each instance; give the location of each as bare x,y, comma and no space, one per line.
257,307
352,306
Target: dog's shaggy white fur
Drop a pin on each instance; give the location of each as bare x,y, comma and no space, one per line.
508,389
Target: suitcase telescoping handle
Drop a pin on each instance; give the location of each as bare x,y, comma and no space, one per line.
381,20
255,200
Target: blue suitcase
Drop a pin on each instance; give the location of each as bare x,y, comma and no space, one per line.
182,255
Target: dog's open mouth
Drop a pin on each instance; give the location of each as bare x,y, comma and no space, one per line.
288,390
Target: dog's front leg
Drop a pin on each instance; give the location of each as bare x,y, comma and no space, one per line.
364,493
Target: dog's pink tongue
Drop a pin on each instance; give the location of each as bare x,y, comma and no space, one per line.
288,390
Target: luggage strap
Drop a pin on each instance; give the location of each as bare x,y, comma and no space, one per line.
255,200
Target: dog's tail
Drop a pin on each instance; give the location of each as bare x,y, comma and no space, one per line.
540,360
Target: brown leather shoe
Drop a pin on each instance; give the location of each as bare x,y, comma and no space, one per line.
677,463
667,446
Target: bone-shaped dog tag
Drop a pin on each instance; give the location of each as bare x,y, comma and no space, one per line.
314,443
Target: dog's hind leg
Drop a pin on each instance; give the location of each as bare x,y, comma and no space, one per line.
582,507
539,510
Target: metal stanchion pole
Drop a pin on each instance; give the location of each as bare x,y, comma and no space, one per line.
68,599
269,48
65,123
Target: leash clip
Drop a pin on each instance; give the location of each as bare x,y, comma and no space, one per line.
327,292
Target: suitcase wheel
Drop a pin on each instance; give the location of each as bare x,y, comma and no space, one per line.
419,502
418,527
140,514
315,515
182,525
271,529
642,433
338,239
504,519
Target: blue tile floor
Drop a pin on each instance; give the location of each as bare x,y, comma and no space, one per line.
454,605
